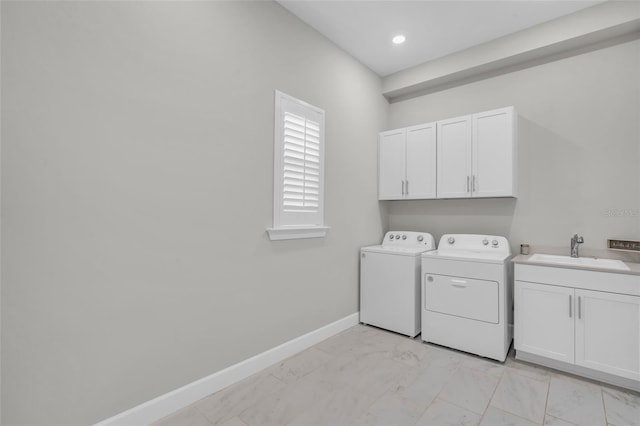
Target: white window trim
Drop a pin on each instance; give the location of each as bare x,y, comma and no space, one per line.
291,224
293,233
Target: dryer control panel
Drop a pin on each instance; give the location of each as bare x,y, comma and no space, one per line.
455,243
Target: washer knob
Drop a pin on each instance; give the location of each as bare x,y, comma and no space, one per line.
397,236
420,238
485,241
404,237
451,240
391,237
494,243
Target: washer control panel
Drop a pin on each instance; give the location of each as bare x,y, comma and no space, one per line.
409,239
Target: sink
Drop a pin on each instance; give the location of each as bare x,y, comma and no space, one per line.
589,262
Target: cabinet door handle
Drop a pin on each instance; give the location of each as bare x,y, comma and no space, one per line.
402,187
467,183
407,186
570,307
579,308
473,186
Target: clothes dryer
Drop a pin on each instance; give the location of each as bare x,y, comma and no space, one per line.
467,295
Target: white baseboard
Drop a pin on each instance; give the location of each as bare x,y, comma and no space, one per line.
166,404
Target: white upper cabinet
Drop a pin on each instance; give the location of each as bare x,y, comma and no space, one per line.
463,157
454,158
477,155
494,154
407,163
421,162
391,169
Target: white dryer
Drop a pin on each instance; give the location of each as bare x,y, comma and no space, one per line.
467,295
390,281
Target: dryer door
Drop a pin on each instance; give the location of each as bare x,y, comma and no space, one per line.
462,297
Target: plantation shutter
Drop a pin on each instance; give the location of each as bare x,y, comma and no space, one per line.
301,175
298,199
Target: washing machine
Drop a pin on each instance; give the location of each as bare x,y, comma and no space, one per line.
467,295
390,281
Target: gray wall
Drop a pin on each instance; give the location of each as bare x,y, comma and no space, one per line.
137,147
579,134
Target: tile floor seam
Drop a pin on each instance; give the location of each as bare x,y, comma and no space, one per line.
513,414
423,411
488,401
458,366
546,402
457,405
604,406
492,395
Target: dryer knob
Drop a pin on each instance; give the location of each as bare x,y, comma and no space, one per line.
397,236
391,237
404,237
485,241
451,240
420,238
494,243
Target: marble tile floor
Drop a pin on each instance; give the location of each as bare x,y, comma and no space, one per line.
369,376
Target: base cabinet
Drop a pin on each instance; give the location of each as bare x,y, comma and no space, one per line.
576,324
608,332
543,322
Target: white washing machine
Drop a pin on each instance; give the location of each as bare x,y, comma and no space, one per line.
467,295
390,281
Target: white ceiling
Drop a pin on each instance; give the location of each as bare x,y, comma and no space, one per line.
433,28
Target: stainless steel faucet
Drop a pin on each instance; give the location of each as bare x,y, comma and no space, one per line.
575,242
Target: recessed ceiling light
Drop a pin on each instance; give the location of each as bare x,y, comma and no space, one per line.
399,39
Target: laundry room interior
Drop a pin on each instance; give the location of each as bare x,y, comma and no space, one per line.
147,265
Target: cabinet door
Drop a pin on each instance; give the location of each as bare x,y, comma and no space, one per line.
421,162
608,332
494,153
544,320
454,158
391,165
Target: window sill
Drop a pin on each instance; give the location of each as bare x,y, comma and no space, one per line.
295,233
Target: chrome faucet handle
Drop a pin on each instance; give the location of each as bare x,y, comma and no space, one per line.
576,240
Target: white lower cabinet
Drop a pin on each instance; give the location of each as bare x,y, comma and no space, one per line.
544,320
608,332
571,322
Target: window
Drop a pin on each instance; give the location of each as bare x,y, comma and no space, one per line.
298,171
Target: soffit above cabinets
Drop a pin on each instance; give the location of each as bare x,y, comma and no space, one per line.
433,29
450,43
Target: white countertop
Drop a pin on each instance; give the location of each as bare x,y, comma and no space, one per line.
634,268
